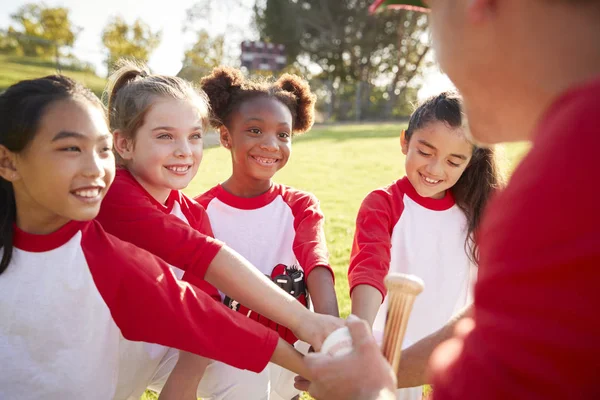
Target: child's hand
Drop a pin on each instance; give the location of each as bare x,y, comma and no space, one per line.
316,327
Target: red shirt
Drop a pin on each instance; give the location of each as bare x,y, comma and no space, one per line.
179,231
67,297
537,300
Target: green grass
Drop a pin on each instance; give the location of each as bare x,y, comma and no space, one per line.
340,164
14,69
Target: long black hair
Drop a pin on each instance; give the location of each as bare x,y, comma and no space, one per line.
481,177
22,106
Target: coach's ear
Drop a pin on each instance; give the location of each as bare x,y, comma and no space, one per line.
225,137
404,142
480,10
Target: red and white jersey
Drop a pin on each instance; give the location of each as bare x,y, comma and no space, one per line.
281,226
66,298
179,232
397,230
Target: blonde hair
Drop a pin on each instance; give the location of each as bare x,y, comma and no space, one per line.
132,90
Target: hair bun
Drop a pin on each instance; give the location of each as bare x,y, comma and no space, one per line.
219,86
305,100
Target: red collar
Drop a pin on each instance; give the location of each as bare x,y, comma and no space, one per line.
442,204
42,243
247,203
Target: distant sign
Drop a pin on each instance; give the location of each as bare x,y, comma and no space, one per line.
263,56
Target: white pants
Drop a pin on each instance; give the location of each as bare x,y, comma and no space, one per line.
223,382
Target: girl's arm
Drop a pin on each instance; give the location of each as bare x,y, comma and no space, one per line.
183,381
366,301
240,280
140,222
322,291
371,254
288,357
310,248
139,287
413,369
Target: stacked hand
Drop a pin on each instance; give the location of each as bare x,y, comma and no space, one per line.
364,374
314,328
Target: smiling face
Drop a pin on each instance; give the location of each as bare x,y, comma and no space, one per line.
65,171
436,157
167,149
259,136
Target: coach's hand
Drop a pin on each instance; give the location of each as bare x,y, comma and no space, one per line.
364,374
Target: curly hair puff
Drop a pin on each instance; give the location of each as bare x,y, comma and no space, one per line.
227,89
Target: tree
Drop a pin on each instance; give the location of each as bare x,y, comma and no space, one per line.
204,55
8,43
134,41
41,30
211,50
349,45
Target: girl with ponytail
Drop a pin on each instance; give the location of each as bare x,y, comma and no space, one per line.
425,224
157,123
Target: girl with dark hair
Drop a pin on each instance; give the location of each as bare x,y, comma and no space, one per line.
425,223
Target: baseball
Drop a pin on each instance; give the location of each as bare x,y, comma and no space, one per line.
338,343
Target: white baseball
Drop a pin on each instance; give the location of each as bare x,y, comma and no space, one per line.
338,343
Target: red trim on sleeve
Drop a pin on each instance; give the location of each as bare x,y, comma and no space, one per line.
371,248
139,288
131,214
310,246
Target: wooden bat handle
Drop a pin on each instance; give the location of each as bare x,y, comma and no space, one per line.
402,291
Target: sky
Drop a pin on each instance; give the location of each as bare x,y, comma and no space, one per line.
168,17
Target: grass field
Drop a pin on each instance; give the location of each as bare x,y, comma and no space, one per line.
340,164
14,69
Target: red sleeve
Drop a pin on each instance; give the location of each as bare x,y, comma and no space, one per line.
537,326
197,216
140,289
198,219
128,213
370,256
205,198
310,246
